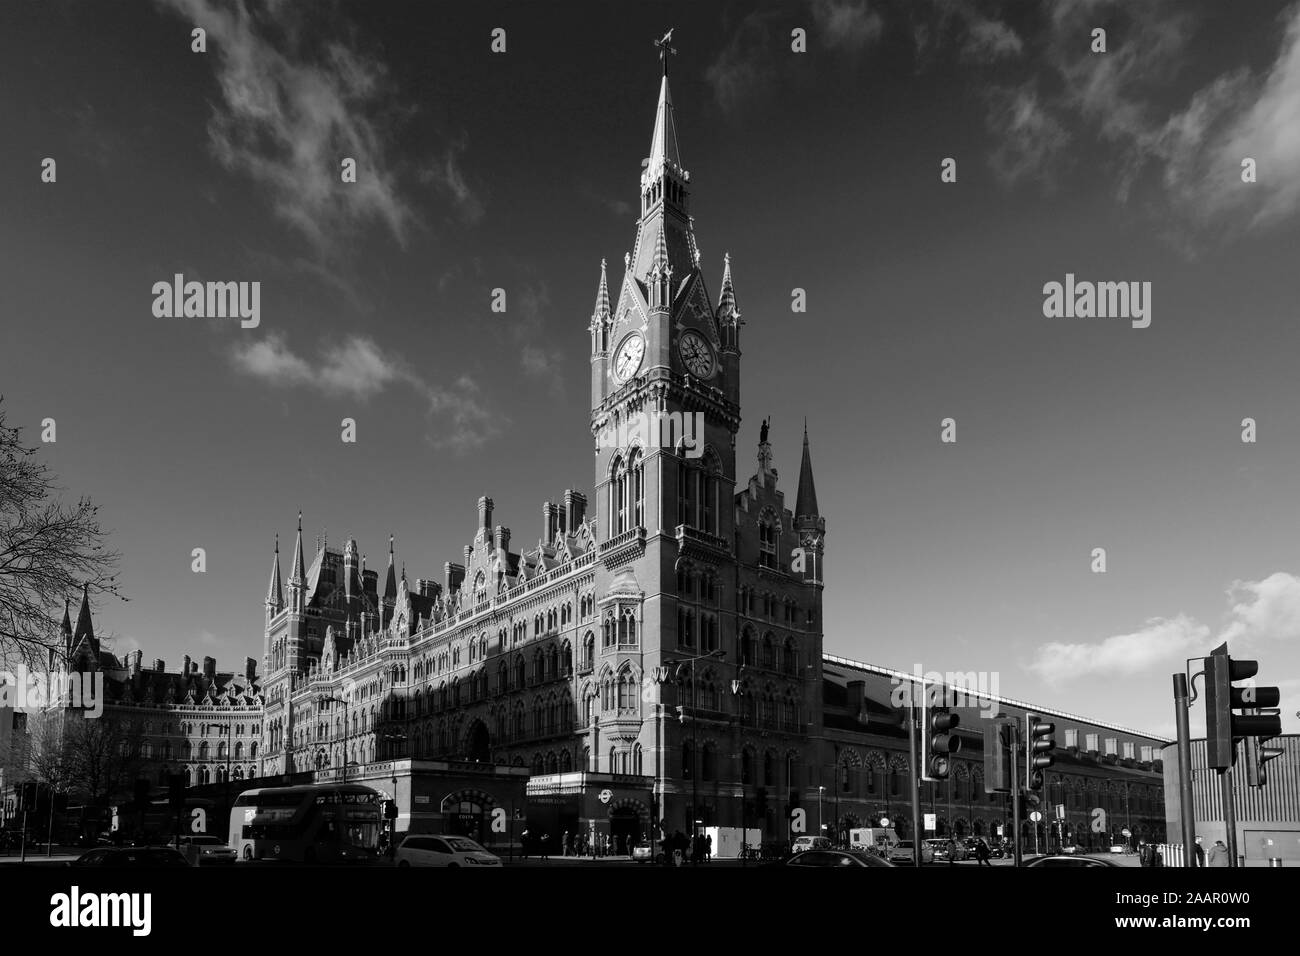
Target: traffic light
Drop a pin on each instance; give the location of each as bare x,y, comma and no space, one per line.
997,757
1039,744
938,742
1223,728
1257,754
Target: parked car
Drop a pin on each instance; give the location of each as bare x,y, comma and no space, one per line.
940,849
901,852
642,852
834,858
1071,861
132,856
206,850
805,843
443,850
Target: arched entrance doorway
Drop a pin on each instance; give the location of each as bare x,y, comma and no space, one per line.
468,813
628,821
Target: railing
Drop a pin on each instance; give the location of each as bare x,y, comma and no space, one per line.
689,535
619,540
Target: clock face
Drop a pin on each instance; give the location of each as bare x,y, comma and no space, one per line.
696,355
629,356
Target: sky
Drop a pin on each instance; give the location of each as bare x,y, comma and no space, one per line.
817,170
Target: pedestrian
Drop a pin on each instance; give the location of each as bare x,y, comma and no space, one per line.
952,852
1200,852
564,844
523,844
545,846
708,847
1219,854
982,853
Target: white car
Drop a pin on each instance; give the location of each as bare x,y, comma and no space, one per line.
901,852
810,843
443,850
206,850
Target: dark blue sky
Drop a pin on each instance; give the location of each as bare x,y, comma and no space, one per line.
817,170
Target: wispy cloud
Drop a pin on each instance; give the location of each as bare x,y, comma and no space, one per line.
537,357
847,24
1029,138
1260,613
755,57
290,111
449,177
358,368
1159,641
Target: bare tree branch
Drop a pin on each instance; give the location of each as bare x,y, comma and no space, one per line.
49,550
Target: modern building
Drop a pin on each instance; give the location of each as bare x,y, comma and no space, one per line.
1268,817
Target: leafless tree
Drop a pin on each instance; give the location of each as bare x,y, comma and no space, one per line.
94,759
48,551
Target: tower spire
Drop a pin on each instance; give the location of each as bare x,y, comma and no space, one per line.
274,593
85,629
602,297
806,499
296,572
390,585
66,629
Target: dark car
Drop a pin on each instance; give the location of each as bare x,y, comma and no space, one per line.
836,858
132,856
1070,861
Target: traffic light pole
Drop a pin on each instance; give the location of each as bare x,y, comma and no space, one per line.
1014,729
1229,815
914,748
1187,807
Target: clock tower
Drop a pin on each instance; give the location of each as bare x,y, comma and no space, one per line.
665,356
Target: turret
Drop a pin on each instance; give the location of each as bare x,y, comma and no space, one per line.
274,592
809,525
297,583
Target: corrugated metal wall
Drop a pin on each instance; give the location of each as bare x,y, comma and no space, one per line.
1277,802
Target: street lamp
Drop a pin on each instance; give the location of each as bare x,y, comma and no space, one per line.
738,691
229,728
346,730
821,827
695,731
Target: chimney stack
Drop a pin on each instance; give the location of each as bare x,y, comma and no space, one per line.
501,538
452,575
137,657
159,665
857,697
209,667
485,513
575,505
185,668
548,522
250,668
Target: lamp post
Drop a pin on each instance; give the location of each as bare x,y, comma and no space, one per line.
695,732
394,736
738,691
821,827
229,728
340,700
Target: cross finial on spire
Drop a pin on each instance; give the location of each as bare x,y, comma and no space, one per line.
665,48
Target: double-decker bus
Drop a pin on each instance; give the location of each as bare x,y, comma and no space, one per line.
316,823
